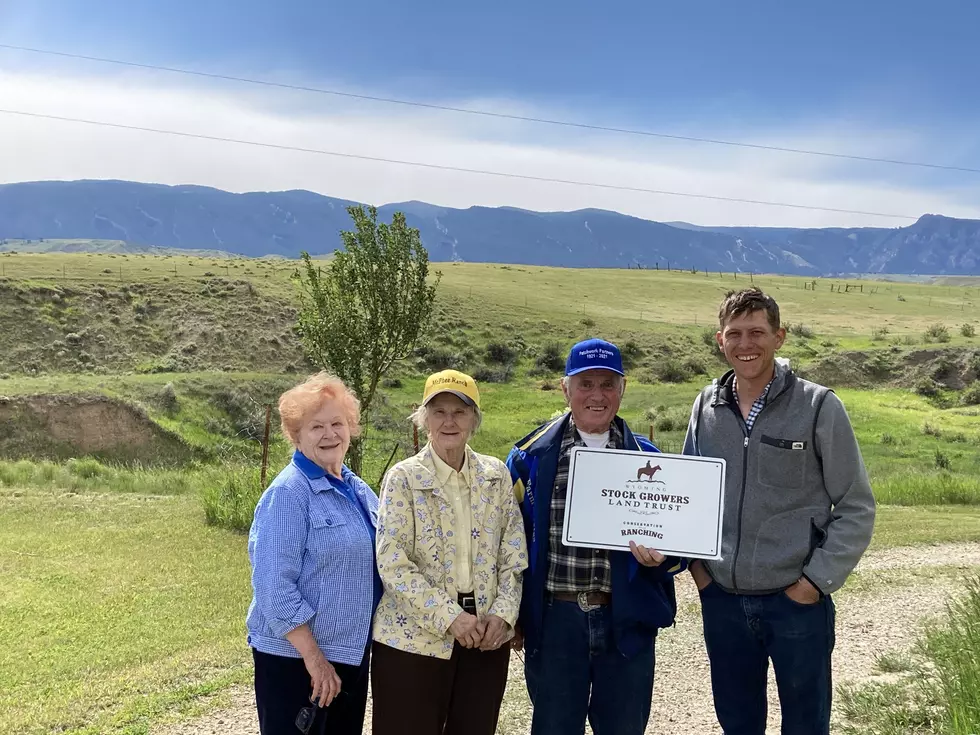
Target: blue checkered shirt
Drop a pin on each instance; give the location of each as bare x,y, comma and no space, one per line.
757,405
312,554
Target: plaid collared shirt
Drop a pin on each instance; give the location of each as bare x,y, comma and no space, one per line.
571,568
757,405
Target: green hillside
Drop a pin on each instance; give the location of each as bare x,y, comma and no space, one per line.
201,346
75,312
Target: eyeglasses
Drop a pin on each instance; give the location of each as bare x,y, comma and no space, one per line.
306,716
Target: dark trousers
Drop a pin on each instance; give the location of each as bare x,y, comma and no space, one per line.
577,673
421,695
283,688
742,633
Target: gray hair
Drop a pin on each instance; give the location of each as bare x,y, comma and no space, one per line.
420,416
622,382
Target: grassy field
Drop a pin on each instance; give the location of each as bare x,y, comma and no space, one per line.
115,610
905,526
916,453
129,607
103,247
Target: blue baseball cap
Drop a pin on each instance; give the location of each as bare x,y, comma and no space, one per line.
594,354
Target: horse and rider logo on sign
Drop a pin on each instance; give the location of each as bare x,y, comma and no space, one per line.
648,471
646,476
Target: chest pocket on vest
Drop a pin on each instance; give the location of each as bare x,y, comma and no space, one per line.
782,462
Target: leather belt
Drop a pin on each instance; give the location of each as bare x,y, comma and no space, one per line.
467,601
586,600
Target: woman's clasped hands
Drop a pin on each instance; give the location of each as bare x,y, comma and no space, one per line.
487,634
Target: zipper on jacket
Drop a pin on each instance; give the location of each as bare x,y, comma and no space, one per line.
745,470
741,497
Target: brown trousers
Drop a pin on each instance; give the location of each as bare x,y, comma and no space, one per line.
421,695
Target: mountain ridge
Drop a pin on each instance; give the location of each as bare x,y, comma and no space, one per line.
195,217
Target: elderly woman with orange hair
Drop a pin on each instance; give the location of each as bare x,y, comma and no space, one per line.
314,575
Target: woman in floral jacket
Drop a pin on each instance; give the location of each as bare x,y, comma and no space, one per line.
451,552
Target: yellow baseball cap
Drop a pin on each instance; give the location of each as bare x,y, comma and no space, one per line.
452,381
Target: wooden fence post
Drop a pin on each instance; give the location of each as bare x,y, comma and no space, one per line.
265,443
415,431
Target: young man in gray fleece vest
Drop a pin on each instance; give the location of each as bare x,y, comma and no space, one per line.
799,514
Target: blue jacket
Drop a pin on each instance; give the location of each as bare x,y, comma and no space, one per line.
311,547
643,597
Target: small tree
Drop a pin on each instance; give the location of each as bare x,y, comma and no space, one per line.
368,307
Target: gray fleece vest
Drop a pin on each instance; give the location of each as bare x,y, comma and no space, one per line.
797,499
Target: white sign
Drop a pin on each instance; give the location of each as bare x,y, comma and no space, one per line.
669,502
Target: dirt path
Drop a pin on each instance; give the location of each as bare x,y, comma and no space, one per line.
870,620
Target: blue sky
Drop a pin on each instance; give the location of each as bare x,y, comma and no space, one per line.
893,79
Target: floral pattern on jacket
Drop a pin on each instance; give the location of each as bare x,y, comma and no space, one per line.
417,539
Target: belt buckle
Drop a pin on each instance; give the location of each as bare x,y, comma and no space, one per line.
469,601
583,603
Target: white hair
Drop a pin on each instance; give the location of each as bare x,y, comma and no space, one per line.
622,382
420,416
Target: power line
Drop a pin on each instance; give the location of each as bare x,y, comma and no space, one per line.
492,114
442,167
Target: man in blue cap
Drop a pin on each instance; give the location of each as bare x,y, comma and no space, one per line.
589,617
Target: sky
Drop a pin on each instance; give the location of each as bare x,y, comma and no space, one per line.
891,79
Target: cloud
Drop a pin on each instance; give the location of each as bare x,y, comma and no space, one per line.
34,149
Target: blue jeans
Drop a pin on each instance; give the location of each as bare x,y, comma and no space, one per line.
742,633
578,673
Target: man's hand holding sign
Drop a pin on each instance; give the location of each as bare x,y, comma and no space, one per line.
646,557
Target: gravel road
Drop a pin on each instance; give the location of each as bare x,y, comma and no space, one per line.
871,619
